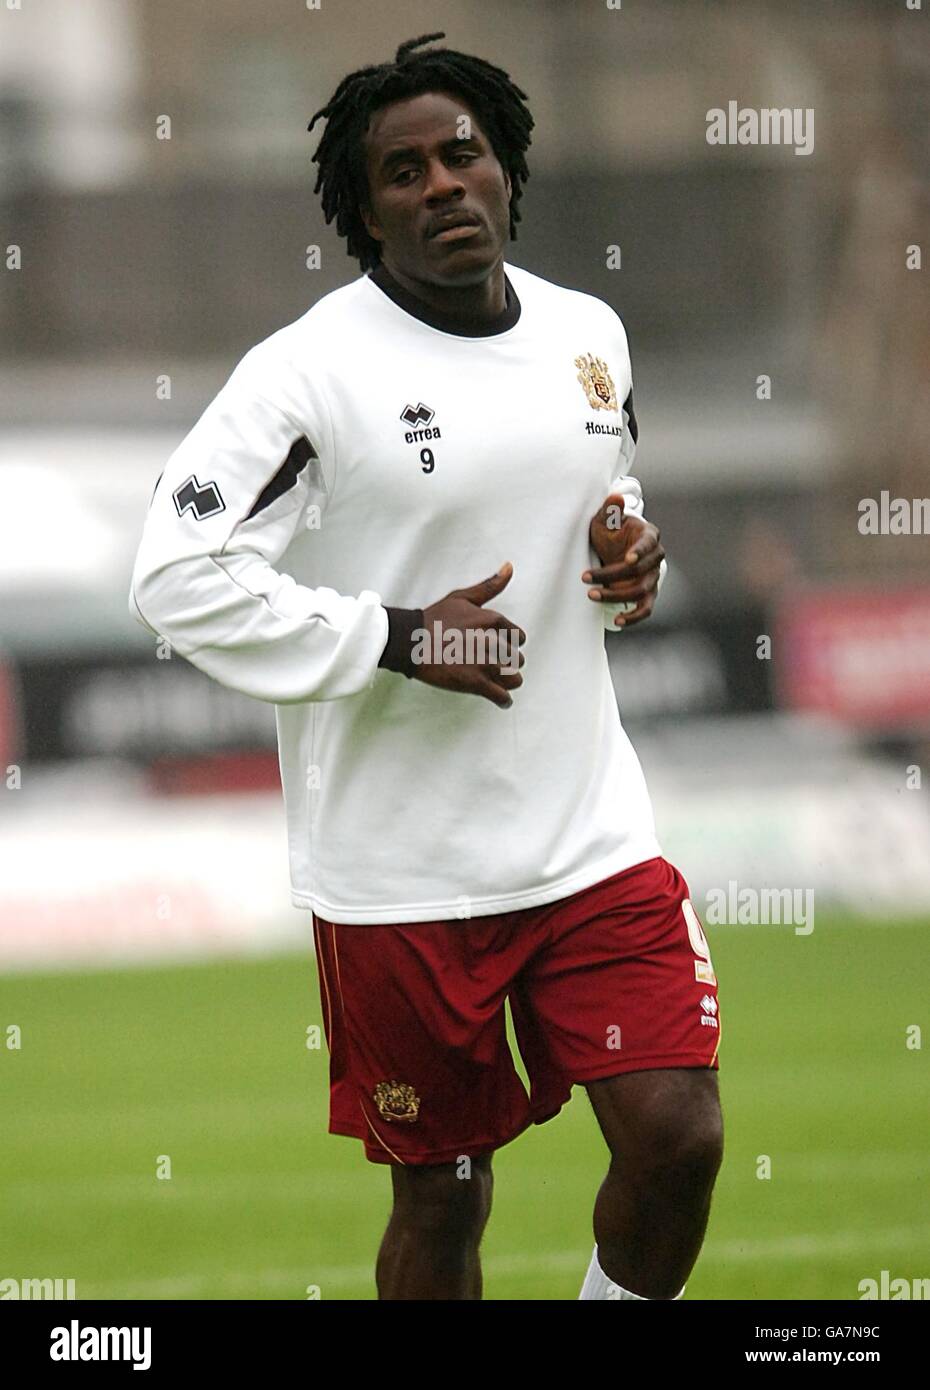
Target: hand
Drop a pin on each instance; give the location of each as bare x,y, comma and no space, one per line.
489,643
630,556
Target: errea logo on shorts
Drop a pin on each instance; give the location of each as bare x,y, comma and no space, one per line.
709,1016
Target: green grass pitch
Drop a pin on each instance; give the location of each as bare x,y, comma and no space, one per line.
208,1064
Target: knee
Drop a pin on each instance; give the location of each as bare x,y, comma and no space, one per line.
443,1199
699,1150
685,1146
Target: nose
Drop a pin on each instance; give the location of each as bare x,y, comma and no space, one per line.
442,183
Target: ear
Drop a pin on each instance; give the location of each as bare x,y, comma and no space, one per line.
371,226
508,183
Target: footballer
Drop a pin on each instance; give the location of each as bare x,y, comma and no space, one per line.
439,450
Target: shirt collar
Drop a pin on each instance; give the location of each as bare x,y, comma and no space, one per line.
457,324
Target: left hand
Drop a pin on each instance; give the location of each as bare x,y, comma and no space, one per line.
630,555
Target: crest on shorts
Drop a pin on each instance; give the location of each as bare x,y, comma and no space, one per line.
596,380
397,1101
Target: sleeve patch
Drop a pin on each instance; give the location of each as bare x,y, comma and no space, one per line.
203,499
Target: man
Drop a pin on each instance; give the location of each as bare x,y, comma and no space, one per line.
444,415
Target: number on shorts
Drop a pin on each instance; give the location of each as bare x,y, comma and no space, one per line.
703,966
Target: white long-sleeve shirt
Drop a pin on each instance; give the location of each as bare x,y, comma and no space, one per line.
362,457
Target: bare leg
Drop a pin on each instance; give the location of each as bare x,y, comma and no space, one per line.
430,1247
664,1130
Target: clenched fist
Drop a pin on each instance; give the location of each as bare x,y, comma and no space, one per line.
630,555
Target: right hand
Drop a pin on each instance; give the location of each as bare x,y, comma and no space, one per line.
462,611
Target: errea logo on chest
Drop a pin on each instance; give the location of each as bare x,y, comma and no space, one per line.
420,418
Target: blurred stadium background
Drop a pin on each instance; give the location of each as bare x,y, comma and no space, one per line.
156,987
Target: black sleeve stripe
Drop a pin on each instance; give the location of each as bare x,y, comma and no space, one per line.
286,477
628,407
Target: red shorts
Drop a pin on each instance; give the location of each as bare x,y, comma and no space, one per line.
613,979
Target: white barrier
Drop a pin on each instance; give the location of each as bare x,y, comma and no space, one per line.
128,879
146,880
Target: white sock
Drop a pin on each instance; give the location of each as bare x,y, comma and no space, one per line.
597,1286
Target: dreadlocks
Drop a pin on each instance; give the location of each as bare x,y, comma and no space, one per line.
497,102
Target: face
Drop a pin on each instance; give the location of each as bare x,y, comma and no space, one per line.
423,180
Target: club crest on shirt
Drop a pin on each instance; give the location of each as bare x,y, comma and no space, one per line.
597,382
396,1101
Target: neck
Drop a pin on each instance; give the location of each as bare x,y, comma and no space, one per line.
481,302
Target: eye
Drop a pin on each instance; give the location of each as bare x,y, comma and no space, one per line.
401,176
464,154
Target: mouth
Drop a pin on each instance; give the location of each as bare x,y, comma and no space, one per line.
457,229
